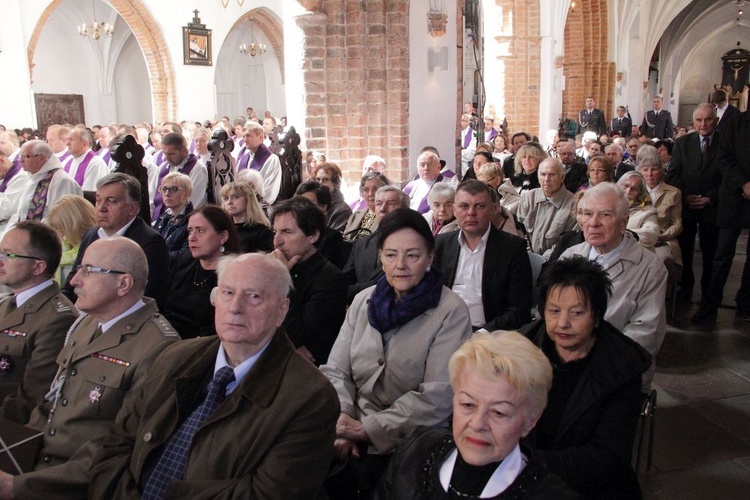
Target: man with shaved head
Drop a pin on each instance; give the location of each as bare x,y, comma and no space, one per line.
107,355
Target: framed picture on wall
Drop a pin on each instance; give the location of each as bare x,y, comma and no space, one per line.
196,43
58,108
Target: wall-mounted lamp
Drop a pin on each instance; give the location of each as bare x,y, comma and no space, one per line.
438,58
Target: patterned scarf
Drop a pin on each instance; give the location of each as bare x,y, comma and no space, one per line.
39,198
385,312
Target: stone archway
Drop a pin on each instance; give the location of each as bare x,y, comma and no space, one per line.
150,38
585,66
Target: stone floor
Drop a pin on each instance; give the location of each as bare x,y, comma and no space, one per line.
702,437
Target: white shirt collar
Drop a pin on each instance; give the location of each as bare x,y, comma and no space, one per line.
22,297
482,241
501,479
240,370
121,232
606,259
109,324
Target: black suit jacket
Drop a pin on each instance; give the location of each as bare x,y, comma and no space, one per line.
734,165
506,277
691,175
622,169
363,269
577,176
661,126
728,113
595,123
623,128
152,244
317,307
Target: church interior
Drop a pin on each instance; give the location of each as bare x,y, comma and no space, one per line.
389,77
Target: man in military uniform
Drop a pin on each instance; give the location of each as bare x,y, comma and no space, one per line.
621,124
105,357
591,119
33,320
657,123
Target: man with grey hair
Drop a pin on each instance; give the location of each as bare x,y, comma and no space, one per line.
47,182
257,156
87,166
179,159
639,278
117,207
547,211
106,358
615,152
694,170
428,174
271,414
574,168
363,269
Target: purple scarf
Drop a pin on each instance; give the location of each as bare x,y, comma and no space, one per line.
12,171
385,313
259,159
82,167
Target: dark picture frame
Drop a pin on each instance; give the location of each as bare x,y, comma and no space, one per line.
196,43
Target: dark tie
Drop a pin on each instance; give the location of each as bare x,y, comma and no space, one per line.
12,305
171,464
705,144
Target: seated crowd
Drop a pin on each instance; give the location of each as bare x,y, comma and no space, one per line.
364,337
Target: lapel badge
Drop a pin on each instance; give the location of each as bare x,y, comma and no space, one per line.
5,364
95,395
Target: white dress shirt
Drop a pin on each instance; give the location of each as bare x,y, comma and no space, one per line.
468,282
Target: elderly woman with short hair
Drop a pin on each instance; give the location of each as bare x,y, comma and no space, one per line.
500,382
440,217
667,201
642,220
363,221
492,175
586,433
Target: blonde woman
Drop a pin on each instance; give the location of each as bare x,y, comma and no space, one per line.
71,216
241,201
526,166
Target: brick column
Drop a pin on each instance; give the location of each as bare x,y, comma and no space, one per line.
356,79
522,63
585,66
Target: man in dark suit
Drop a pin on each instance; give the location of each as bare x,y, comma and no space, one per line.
117,207
657,123
574,167
695,172
621,124
363,269
591,119
487,268
615,153
733,215
318,302
724,110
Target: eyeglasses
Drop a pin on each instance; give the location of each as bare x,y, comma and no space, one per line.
170,189
7,255
86,270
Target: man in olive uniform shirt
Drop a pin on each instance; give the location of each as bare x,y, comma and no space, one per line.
107,354
33,320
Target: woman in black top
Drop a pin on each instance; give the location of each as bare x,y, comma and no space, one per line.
186,297
175,189
241,201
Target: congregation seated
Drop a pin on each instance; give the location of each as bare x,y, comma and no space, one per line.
185,299
500,382
441,217
318,299
388,362
363,221
586,433
667,201
240,200
362,268
338,212
492,175
71,217
331,244
526,165
642,219
176,189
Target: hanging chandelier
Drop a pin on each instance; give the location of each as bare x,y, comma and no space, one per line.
95,29
252,49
